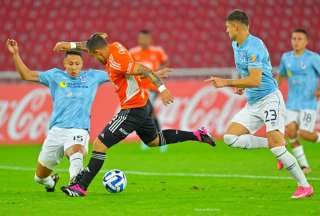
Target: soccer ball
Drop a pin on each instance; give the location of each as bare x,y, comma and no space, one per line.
114,181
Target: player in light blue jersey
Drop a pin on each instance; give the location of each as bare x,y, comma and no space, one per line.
72,91
302,69
265,103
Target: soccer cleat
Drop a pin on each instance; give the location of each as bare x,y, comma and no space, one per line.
306,170
74,190
55,178
204,136
280,165
302,192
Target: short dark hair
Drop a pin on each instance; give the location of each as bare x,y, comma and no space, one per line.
301,30
145,31
95,42
238,15
73,52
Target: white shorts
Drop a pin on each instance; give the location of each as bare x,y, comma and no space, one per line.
59,140
269,111
306,119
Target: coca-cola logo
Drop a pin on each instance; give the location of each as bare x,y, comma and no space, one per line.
208,107
25,118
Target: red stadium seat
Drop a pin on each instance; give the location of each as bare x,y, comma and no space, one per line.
192,32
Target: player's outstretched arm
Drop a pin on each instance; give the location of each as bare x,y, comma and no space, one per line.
252,81
24,71
63,46
165,94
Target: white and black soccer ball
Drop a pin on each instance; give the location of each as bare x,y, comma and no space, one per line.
114,181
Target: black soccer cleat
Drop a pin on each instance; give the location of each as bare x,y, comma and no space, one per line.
204,136
55,178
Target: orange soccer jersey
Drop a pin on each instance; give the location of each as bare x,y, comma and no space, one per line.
151,58
129,88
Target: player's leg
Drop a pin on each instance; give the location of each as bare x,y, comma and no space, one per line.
75,148
120,127
307,120
43,176
273,112
75,154
292,119
238,133
50,155
149,134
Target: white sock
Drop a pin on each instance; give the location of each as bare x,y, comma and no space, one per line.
301,157
47,182
318,139
246,141
76,164
291,164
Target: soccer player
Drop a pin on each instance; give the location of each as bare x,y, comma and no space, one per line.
265,103
72,91
154,58
135,113
302,69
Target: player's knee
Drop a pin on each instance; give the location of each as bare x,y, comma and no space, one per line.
230,139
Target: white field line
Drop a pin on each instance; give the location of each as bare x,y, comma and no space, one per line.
144,173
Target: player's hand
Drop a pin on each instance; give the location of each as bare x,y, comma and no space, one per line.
163,73
238,91
12,46
217,82
62,46
166,97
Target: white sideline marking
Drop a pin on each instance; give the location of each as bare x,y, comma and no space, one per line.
143,173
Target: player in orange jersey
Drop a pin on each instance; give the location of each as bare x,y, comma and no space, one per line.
135,113
154,58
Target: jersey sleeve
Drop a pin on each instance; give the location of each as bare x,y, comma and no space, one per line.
100,75
47,77
122,61
254,57
282,67
316,63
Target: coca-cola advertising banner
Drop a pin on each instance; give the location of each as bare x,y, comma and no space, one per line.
25,109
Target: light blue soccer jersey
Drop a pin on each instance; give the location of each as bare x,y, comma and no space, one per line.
72,96
303,72
253,54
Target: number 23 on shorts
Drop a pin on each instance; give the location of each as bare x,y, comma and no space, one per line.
270,115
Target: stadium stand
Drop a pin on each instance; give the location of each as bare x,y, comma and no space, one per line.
192,32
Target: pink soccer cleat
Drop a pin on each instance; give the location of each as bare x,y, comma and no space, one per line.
302,192
74,190
280,165
204,136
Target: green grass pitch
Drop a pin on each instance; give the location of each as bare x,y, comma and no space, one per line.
188,179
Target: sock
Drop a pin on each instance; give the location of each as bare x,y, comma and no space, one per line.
47,182
76,164
95,164
245,141
301,157
174,136
291,164
318,139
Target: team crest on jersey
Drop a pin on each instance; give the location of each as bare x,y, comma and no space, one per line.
303,65
63,84
253,58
